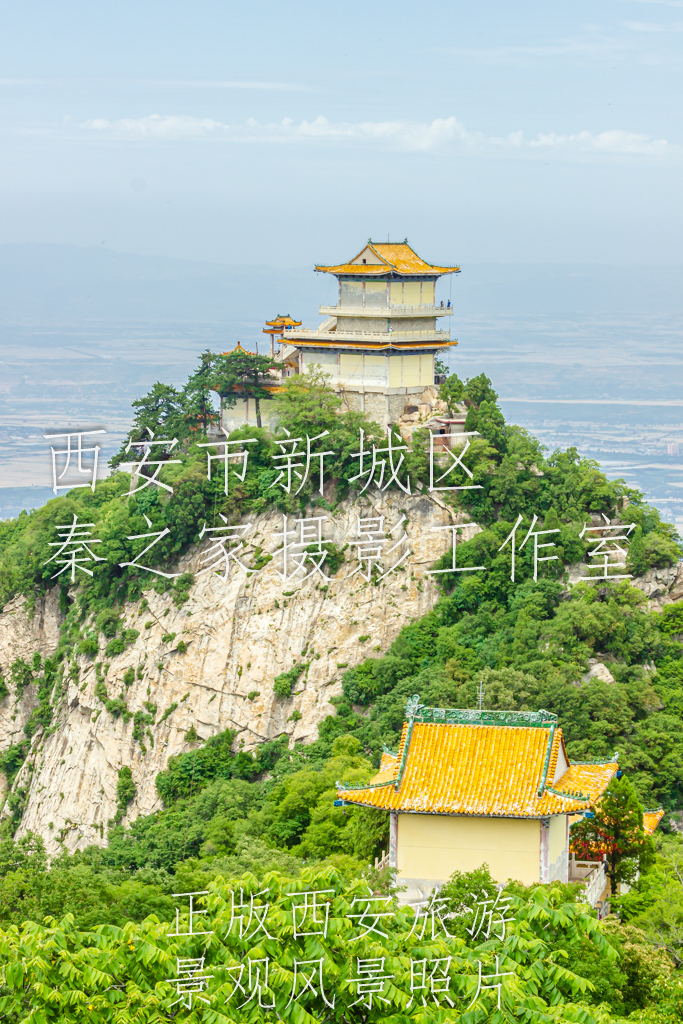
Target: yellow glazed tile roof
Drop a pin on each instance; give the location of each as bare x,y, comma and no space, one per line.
482,770
590,779
651,819
282,321
397,346
395,257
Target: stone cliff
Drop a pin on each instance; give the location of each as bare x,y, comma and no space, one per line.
208,665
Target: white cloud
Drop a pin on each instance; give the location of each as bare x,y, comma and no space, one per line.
405,135
401,134
616,141
155,126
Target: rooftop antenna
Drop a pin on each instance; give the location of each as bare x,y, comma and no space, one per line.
480,695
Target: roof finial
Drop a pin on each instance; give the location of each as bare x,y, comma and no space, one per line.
412,705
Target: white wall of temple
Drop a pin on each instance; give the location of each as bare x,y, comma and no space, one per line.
373,370
243,413
356,292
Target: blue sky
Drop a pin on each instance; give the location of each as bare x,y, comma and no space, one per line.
288,133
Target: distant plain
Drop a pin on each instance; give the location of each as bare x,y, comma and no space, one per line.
584,356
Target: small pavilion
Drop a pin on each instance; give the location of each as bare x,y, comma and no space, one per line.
277,327
468,787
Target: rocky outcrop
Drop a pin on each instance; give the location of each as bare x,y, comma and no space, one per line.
597,670
209,665
661,586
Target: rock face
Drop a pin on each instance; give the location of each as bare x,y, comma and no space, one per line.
661,586
239,633
23,631
597,670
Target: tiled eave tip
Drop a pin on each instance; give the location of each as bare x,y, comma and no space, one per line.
567,794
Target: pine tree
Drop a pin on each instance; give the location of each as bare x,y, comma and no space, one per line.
636,562
241,374
198,409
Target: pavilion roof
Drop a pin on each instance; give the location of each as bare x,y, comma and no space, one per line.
282,321
393,258
482,763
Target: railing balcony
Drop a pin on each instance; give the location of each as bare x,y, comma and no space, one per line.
372,336
594,876
386,311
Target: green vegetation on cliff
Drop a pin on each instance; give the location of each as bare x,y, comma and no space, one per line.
531,643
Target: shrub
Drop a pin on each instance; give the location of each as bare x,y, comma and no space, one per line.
108,622
125,792
114,647
283,683
181,589
12,759
129,676
167,712
89,646
140,720
117,708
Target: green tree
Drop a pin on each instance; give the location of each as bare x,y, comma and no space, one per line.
159,412
240,374
617,831
198,410
451,392
636,553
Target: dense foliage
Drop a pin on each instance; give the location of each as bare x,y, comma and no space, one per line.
227,812
58,972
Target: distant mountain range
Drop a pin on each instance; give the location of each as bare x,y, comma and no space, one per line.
47,282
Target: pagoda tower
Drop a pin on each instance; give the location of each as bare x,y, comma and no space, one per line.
379,342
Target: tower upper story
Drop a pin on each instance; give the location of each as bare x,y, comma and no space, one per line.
382,333
387,280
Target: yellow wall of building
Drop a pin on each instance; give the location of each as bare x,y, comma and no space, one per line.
352,293
375,293
411,371
376,369
396,293
351,366
427,368
432,846
558,848
395,371
411,293
427,293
